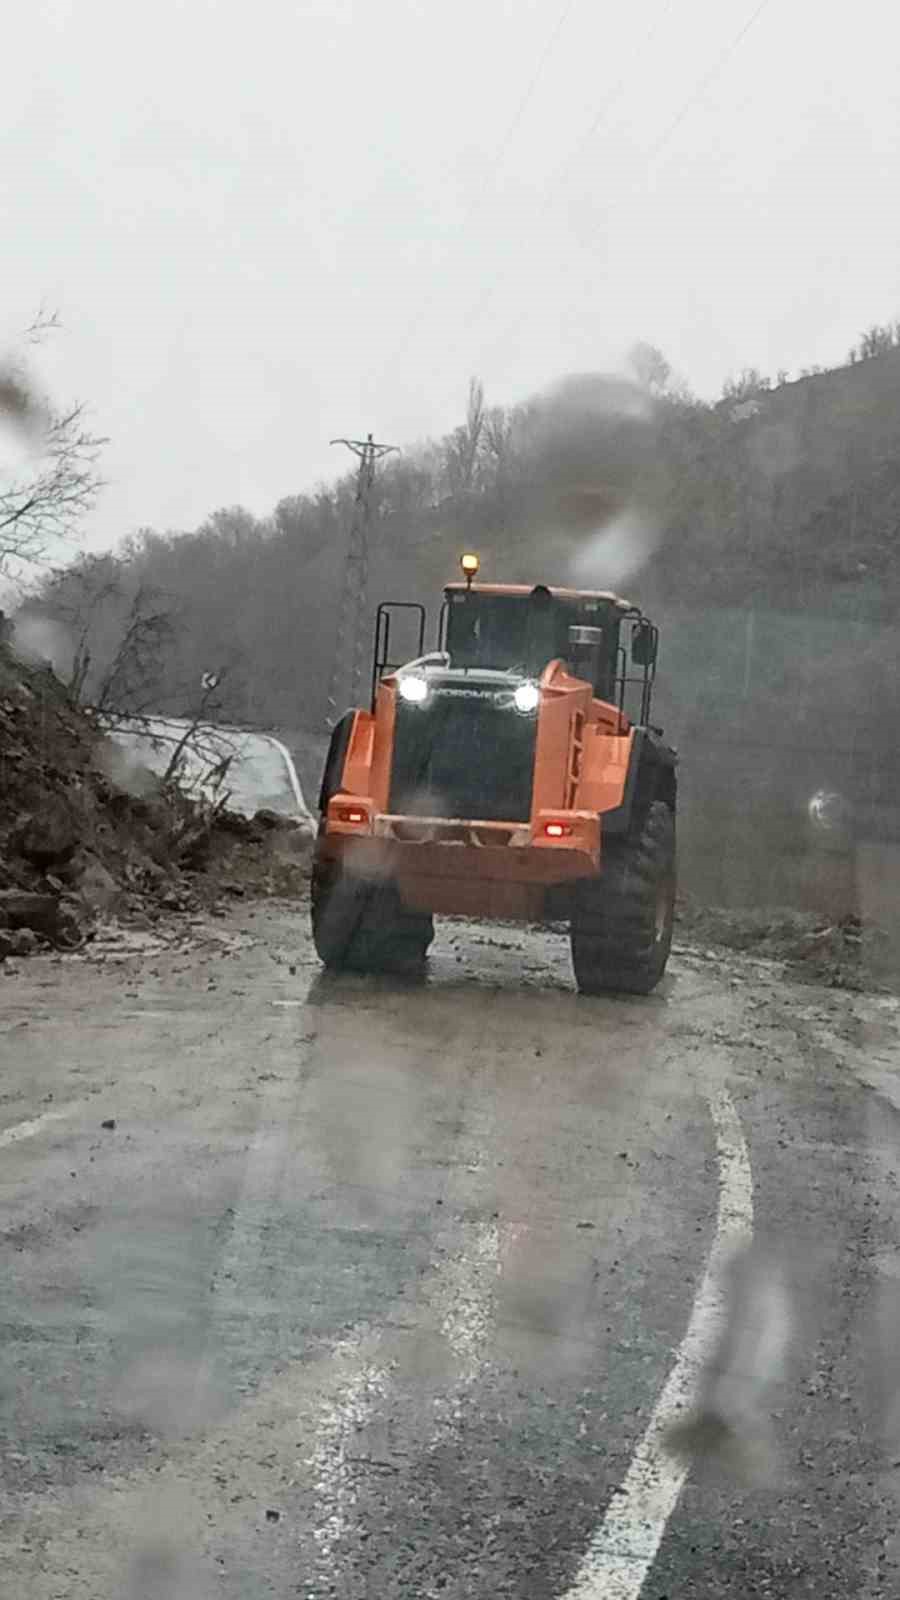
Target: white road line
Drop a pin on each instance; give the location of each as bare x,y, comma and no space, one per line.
464,1299
458,1301
344,1416
27,1130
624,1548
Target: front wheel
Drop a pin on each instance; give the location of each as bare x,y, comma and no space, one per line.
623,920
363,926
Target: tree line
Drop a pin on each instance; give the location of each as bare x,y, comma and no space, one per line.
780,498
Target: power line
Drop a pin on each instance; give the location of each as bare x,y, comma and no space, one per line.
720,61
603,114
348,648
525,100
485,297
560,171
730,49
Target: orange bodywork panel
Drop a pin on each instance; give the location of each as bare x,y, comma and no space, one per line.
385,703
606,761
358,762
581,744
468,866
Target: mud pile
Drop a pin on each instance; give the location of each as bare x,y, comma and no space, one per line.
841,953
82,838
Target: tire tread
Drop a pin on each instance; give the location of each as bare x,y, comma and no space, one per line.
614,939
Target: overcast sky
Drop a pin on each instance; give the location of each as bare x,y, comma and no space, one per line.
266,224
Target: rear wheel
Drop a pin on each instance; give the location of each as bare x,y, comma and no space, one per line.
623,920
363,926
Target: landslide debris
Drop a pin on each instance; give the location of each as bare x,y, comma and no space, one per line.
839,953
83,837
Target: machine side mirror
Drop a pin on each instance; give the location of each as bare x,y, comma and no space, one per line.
644,644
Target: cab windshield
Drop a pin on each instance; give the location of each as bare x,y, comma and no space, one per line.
505,633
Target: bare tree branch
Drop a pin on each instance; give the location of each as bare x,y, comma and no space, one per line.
207,703
131,680
44,504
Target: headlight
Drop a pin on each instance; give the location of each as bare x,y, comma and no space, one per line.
414,689
527,697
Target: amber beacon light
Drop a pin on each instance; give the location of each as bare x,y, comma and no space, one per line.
470,563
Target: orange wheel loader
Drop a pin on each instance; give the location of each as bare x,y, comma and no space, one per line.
501,776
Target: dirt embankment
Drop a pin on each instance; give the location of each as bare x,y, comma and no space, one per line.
81,838
841,952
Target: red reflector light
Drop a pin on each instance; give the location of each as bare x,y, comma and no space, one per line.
352,814
556,830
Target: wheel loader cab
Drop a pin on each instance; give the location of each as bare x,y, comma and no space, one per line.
521,632
512,773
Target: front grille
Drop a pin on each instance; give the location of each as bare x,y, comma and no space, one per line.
463,757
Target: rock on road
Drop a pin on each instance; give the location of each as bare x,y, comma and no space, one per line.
364,1287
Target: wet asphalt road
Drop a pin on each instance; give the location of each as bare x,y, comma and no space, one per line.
374,1285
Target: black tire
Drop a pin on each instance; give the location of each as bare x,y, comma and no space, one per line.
360,926
623,920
